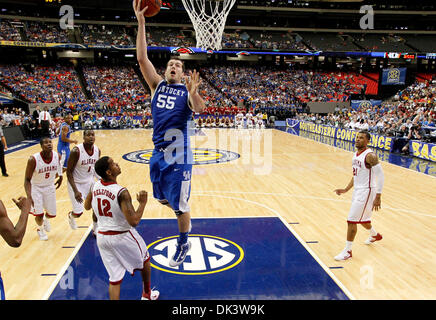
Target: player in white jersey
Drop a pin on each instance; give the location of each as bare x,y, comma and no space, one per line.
259,121
250,123
239,120
121,247
39,183
80,174
368,181
249,117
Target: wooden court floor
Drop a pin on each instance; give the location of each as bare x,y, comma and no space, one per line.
277,174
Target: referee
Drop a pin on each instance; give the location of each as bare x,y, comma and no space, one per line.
3,147
44,121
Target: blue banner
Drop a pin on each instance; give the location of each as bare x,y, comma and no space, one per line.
365,104
377,141
5,100
293,123
423,150
394,76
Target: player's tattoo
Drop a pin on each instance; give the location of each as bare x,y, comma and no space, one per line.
372,160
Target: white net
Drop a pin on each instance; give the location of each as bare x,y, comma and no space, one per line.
208,18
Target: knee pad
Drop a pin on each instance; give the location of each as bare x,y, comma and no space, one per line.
178,212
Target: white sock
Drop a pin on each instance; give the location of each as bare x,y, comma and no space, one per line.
372,232
348,245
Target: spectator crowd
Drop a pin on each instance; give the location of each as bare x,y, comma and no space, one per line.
117,97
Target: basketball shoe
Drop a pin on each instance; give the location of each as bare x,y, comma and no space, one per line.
72,221
154,295
42,235
372,239
344,255
180,255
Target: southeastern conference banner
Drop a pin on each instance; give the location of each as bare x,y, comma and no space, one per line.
356,104
394,76
377,141
423,150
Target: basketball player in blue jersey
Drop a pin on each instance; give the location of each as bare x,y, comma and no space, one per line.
172,105
64,141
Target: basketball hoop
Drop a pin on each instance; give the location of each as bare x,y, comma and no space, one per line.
208,18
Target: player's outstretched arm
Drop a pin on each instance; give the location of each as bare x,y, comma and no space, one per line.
133,216
88,201
193,82
31,165
71,165
347,188
14,235
64,136
147,69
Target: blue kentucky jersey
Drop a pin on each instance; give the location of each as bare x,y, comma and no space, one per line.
170,110
62,144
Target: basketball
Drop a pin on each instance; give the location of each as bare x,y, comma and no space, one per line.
153,7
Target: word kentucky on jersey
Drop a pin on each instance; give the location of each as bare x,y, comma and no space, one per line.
170,90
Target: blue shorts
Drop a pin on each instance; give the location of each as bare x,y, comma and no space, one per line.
2,289
171,181
65,154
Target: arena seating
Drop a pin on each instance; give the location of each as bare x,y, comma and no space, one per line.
110,34
226,90
54,84
105,35
8,32
115,86
45,32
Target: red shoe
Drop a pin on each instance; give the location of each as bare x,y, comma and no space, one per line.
154,295
372,239
344,255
